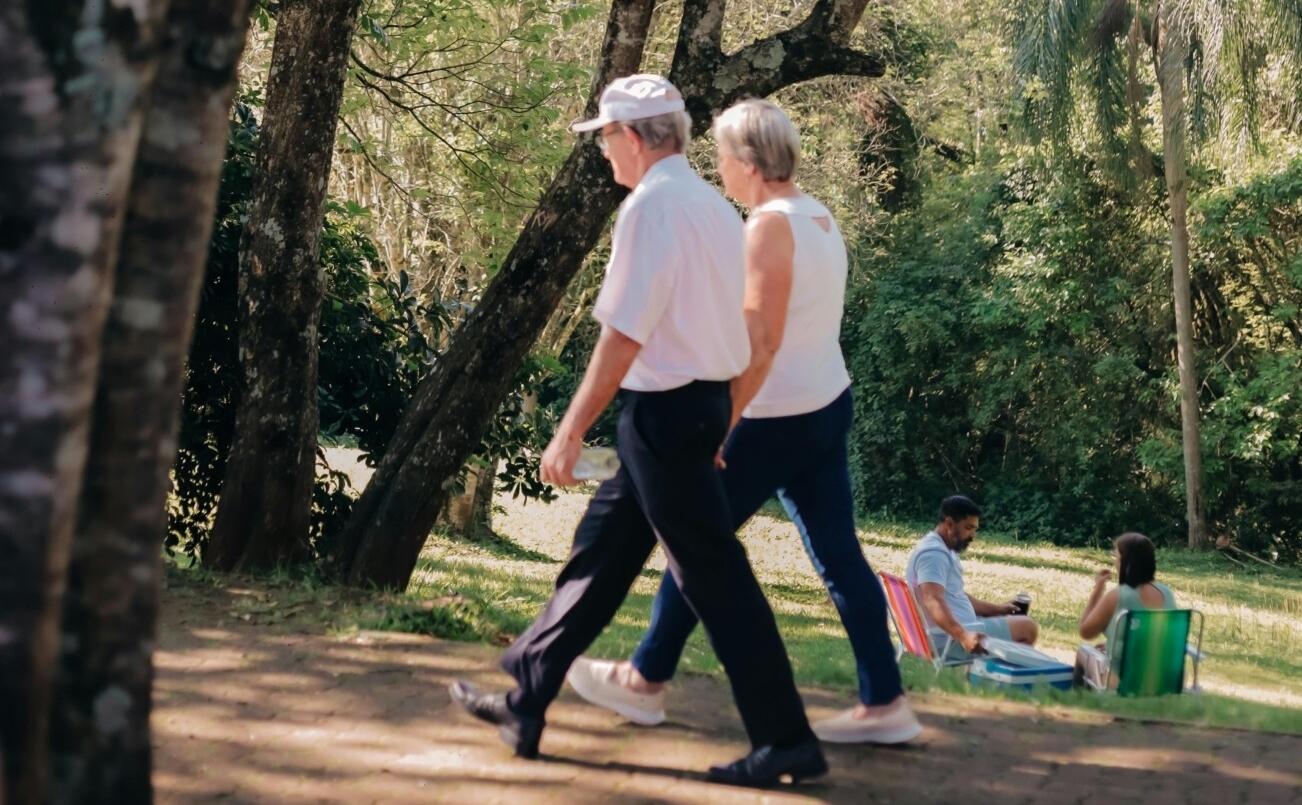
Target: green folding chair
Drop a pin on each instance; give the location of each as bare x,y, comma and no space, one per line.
1150,652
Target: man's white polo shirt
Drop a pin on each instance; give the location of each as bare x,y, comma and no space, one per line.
676,279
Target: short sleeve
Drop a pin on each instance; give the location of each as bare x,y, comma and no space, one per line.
644,263
932,567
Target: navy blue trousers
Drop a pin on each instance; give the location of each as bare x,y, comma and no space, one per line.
803,460
667,489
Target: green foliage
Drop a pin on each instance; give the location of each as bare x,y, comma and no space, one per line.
518,434
450,123
449,618
1011,340
1008,343
378,337
1249,241
371,349
559,387
1088,69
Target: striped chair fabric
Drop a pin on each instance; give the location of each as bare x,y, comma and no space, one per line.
908,619
1153,651
1149,658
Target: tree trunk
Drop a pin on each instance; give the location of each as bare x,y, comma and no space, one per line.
71,85
264,514
1170,72
100,745
470,513
454,404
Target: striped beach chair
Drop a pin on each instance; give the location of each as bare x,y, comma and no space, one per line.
1149,658
912,628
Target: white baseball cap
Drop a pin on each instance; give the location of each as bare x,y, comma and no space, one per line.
634,97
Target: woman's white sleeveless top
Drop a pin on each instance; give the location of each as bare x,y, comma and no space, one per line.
808,371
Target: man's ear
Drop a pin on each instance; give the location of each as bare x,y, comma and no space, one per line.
635,140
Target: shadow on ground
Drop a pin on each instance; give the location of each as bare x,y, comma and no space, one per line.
289,715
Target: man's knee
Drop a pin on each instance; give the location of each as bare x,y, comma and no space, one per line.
1023,629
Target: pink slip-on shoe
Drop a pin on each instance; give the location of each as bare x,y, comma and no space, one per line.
896,727
594,680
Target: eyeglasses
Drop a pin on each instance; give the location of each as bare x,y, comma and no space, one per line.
600,138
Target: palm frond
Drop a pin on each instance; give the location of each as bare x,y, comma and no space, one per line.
1221,65
1112,23
1113,85
1287,24
1050,36
1136,98
1245,52
1202,102
1286,17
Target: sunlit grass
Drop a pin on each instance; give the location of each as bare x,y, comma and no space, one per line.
1253,638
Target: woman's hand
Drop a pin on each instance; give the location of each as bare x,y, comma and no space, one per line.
1100,607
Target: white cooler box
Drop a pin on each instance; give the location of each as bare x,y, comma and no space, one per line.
1018,667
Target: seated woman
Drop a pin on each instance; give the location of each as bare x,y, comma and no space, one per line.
1136,565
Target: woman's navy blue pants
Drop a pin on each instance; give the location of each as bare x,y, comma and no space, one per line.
803,460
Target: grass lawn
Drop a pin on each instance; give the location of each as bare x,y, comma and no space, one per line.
491,589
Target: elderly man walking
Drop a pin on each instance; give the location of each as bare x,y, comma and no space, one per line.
672,338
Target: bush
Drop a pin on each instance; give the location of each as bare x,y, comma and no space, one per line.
1008,340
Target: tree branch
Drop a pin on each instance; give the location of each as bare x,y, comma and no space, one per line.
700,37
809,50
838,18
621,50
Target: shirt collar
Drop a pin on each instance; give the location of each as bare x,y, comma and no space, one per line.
665,168
942,542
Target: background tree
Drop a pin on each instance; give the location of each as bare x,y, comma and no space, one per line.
73,117
453,405
100,739
266,499
71,150
1206,59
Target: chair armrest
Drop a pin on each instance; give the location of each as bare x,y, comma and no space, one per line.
1192,651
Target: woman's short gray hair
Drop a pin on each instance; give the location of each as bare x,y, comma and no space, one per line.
758,133
673,129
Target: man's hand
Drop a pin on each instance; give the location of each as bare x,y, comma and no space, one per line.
1011,608
971,642
611,358
559,458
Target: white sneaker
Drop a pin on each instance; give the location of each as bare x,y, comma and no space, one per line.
594,680
894,728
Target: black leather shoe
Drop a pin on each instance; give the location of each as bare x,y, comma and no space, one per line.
767,765
521,733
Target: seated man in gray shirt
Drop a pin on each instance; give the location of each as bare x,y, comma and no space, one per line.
936,574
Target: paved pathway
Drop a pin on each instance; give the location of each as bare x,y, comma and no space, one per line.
289,716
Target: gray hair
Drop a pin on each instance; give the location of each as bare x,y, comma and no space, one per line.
760,134
670,130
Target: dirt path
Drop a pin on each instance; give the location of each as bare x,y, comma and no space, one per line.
288,714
